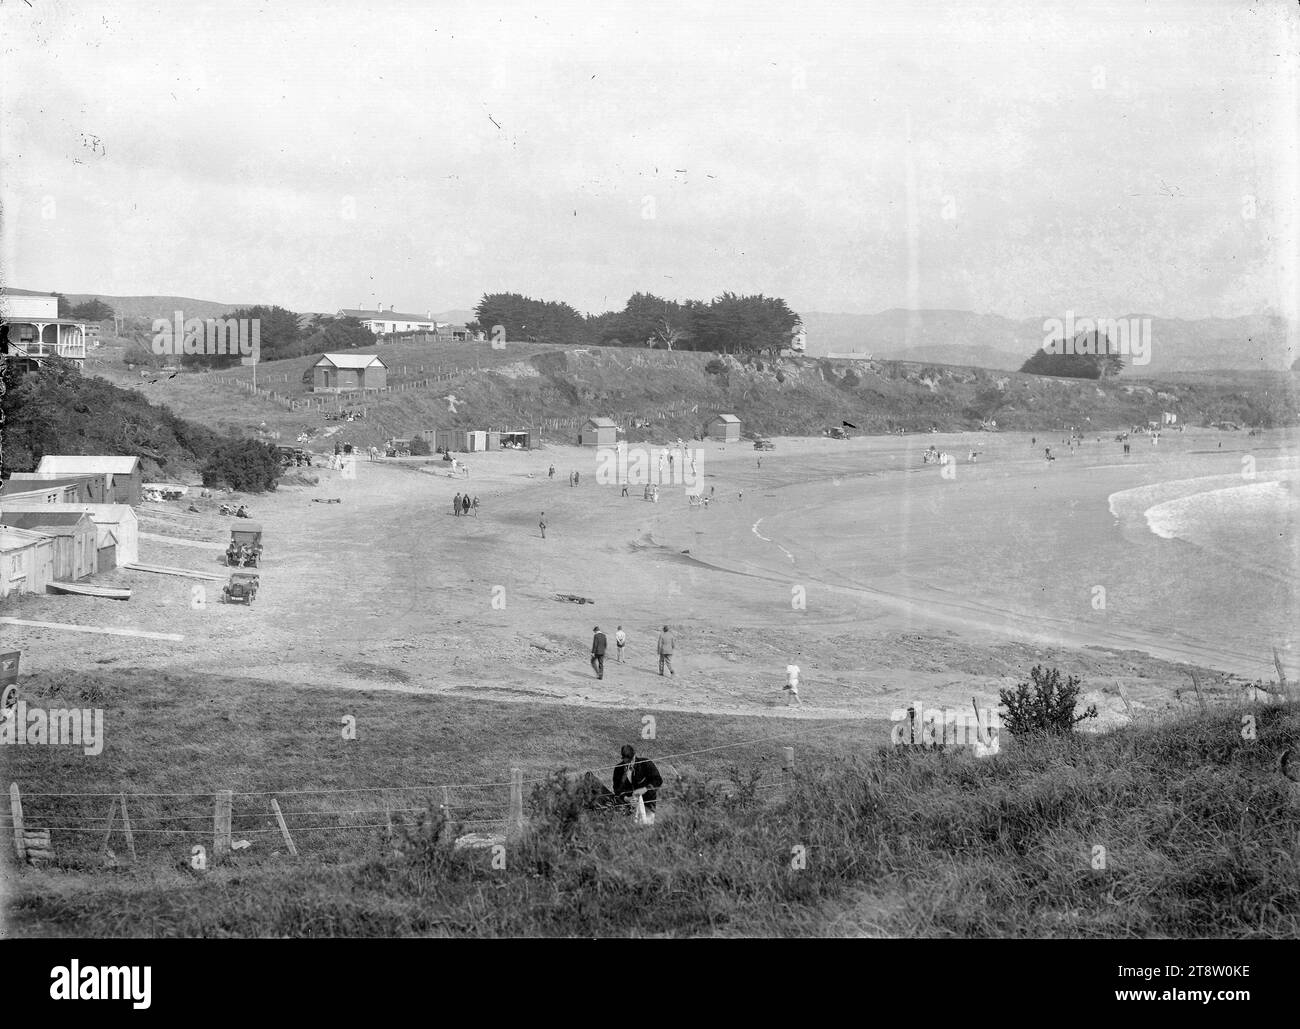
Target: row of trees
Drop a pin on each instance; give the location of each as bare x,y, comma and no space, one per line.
283,334
92,310
729,324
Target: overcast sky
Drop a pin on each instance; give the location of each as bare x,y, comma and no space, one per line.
1020,159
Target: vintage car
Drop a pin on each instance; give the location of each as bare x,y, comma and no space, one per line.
245,548
241,589
764,444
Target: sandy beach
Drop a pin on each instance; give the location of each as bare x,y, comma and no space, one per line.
885,579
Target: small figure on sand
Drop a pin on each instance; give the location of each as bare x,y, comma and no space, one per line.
666,646
464,505
455,505
792,684
620,641
474,507
541,524
598,647
552,474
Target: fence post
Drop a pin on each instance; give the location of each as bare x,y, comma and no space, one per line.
284,829
515,820
787,766
446,815
16,812
221,825
126,828
112,817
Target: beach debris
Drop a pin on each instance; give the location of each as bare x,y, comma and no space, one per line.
573,598
331,500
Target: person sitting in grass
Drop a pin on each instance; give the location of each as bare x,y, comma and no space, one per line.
636,775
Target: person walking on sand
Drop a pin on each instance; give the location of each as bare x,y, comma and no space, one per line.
455,505
552,475
792,684
464,505
541,524
620,641
474,507
666,646
598,647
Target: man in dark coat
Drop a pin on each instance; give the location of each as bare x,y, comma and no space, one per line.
636,773
598,645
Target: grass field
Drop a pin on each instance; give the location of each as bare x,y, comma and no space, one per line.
1200,832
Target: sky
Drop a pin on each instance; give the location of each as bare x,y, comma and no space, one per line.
1021,159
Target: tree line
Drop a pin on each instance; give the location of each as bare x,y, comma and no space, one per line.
728,324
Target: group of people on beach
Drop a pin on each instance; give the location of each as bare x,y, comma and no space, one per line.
666,645
463,505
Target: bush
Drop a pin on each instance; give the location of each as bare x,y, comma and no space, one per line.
715,367
247,466
1043,705
850,379
420,447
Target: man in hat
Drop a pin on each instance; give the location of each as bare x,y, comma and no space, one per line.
636,775
598,645
667,644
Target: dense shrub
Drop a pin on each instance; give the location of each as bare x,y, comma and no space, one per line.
1045,704
247,466
420,447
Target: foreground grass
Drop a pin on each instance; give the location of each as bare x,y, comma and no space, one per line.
1199,829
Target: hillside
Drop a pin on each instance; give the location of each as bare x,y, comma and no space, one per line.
660,395
149,308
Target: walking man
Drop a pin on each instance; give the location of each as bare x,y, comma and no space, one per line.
552,471
598,645
667,644
474,506
464,505
620,641
541,524
455,505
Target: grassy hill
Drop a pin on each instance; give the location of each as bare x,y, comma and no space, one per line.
1198,826
552,388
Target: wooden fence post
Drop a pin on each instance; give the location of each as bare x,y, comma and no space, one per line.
284,829
221,825
16,812
126,828
515,820
446,815
787,766
112,817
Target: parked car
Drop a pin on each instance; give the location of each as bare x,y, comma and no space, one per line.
241,589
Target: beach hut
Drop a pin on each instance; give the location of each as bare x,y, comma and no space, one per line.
73,534
26,561
124,475
724,427
77,489
117,533
598,432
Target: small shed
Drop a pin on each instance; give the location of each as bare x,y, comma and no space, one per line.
515,440
598,432
73,534
88,489
26,561
344,372
116,527
724,427
124,475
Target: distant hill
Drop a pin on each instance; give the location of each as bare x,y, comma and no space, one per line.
1257,342
150,308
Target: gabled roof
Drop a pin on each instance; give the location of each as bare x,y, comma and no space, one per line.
603,423
16,539
34,519
726,418
350,360
385,316
72,464
9,291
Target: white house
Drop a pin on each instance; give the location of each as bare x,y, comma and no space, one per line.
30,327
390,322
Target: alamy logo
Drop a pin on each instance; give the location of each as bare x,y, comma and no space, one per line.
1127,337
625,465
228,337
75,727
120,982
